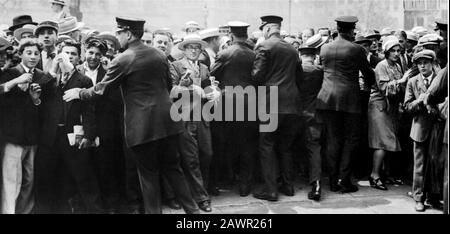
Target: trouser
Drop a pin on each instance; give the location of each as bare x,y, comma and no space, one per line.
18,179
363,161
420,159
342,134
280,141
61,172
240,141
311,138
152,159
221,170
133,191
107,160
445,153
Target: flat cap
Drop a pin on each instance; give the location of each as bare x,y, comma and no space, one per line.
270,19
47,24
128,23
428,54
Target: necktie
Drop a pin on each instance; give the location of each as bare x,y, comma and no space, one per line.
426,82
51,55
64,79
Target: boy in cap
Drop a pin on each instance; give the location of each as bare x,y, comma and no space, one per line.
423,118
309,86
47,34
146,101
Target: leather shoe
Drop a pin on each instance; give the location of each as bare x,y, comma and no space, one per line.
287,190
266,196
348,188
244,191
335,187
174,205
315,193
420,207
377,184
205,206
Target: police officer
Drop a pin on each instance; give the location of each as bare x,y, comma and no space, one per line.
233,68
150,132
277,66
339,101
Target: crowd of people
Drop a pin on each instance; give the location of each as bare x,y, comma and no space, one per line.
87,122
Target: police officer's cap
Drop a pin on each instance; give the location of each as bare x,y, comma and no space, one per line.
270,19
238,27
347,21
128,23
441,24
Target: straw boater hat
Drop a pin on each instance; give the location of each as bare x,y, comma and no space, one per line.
315,41
29,28
360,39
59,2
192,39
69,24
420,31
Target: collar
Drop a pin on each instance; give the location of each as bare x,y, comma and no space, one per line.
210,51
430,77
86,67
27,70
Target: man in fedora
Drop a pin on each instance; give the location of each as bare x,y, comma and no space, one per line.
212,37
277,65
233,68
58,10
147,102
47,34
20,21
339,102
71,27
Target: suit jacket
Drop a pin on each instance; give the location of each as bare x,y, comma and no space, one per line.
437,92
422,121
374,60
309,87
277,64
142,74
108,108
342,60
56,111
19,117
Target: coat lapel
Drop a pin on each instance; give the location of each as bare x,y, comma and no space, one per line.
100,74
421,85
72,83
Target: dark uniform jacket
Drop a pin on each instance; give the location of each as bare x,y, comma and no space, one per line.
342,60
233,68
108,108
278,64
19,117
142,74
438,91
55,111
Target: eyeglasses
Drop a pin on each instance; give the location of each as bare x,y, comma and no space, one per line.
190,47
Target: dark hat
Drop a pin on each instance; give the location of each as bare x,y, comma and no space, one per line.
47,24
347,21
441,24
107,36
4,44
428,54
304,50
360,39
270,19
20,21
238,27
127,23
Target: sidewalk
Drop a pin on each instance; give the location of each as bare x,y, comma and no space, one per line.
366,201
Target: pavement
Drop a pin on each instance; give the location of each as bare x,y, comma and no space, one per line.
366,201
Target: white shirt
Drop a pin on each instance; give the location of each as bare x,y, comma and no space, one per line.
428,78
47,62
92,74
27,70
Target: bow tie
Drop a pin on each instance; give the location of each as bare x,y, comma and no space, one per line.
51,55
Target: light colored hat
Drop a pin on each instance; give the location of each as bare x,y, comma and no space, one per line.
428,54
315,41
420,31
192,39
210,32
191,24
387,31
59,2
69,24
430,39
147,36
108,36
389,42
28,28
412,36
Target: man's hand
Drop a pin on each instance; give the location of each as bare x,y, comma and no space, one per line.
35,91
23,79
72,94
85,143
422,97
213,96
